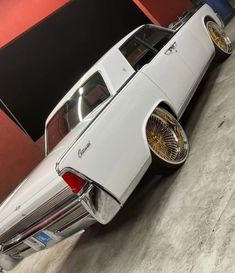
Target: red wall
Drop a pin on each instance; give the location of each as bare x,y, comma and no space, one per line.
18,155
16,16
163,12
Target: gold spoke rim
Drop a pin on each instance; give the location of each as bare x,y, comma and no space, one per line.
219,37
165,138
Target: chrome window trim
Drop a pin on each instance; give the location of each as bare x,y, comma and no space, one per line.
81,85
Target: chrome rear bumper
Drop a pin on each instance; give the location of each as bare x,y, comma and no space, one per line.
79,212
45,224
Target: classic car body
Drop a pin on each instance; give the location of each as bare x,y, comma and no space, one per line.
96,144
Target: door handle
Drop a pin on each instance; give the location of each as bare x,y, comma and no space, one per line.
168,52
174,45
171,48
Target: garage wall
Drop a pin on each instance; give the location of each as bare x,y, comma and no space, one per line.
163,12
17,16
18,155
41,65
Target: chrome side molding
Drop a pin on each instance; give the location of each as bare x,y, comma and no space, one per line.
102,206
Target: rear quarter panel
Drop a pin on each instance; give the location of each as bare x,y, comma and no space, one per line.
118,154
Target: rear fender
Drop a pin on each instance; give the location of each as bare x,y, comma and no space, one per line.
114,151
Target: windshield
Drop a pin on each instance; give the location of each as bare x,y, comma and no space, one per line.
83,101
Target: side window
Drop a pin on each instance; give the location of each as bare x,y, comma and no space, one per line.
155,37
136,53
91,94
83,101
145,44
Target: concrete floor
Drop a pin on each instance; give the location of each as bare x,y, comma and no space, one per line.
232,3
184,223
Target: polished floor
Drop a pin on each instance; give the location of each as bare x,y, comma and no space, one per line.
184,223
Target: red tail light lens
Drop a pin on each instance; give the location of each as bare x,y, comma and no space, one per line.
76,183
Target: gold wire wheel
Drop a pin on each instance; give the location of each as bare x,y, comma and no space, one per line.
219,37
166,137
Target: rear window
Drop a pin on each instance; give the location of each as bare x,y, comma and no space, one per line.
83,101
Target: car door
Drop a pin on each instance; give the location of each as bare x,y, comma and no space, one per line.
169,72
175,68
191,48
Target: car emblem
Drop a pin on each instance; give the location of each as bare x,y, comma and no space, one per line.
82,151
18,207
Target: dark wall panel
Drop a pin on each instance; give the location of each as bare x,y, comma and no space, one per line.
39,67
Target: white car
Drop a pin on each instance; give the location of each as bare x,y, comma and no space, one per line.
120,117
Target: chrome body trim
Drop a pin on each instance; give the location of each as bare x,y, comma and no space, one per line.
45,209
195,86
100,204
6,262
92,205
39,226
88,180
96,117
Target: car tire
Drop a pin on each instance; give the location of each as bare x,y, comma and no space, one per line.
167,141
222,43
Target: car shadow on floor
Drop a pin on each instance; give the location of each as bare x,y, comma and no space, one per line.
102,244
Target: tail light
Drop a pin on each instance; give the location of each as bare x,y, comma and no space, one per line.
75,182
